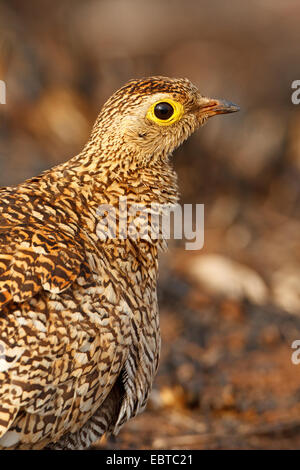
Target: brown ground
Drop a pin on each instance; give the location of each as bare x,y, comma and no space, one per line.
226,379
230,312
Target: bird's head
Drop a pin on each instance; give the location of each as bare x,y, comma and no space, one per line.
145,120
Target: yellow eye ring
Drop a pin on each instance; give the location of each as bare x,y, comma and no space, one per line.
165,112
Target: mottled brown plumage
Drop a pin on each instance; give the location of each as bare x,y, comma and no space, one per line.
79,329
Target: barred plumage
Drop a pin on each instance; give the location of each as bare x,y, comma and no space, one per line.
80,340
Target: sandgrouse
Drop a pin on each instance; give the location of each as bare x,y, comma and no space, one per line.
79,327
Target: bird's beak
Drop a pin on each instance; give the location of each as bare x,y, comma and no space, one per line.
211,107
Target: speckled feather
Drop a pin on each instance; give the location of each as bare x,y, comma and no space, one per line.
80,339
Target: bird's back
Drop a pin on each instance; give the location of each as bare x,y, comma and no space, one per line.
67,323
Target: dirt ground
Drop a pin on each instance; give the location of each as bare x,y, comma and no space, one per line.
226,379
231,311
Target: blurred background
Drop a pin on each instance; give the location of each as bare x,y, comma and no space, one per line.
230,312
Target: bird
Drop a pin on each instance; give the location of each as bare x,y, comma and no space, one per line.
79,320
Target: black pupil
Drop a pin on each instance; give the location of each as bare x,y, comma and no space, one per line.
163,110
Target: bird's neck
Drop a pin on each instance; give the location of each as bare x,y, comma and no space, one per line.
95,180
83,184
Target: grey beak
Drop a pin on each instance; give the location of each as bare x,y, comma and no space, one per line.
214,106
224,107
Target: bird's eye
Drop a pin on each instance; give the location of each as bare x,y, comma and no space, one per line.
163,110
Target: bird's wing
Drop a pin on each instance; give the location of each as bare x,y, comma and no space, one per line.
71,363
33,257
